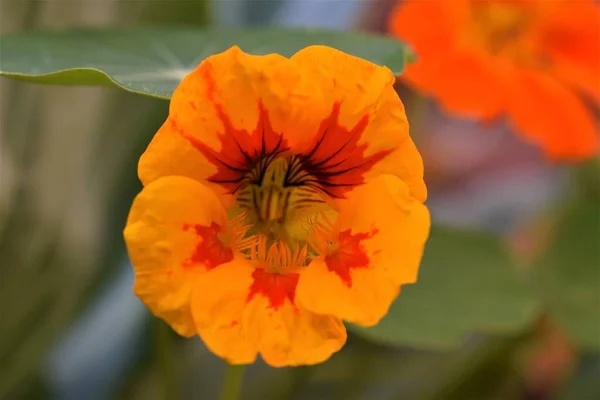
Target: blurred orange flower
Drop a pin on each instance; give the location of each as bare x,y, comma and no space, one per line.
527,59
281,196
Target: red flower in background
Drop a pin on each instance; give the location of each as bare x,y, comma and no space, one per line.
531,60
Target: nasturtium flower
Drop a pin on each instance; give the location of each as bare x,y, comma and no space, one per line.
281,197
534,61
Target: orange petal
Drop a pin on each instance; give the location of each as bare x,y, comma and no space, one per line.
171,236
438,32
552,116
378,242
583,78
241,311
366,98
571,39
171,154
469,83
219,112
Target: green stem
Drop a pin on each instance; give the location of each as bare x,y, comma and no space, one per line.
232,382
164,345
417,114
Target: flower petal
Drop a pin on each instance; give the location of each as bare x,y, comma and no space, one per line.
570,33
468,82
240,312
367,99
552,116
171,239
440,30
222,108
380,234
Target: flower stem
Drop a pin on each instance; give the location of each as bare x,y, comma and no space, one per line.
232,382
417,114
165,350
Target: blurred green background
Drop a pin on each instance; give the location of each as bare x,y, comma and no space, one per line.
508,306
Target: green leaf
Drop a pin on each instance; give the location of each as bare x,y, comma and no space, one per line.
467,283
569,273
152,61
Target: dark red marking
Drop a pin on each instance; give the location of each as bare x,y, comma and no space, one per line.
275,287
349,255
241,151
209,251
336,162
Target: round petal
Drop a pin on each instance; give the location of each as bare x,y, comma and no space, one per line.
552,116
234,105
241,311
378,242
369,108
171,240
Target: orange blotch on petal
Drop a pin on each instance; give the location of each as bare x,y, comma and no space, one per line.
277,288
349,254
210,250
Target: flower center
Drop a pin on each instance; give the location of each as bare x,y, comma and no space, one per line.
502,28
277,195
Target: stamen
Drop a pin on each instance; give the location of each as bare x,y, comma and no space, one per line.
277,257
237,227
279,197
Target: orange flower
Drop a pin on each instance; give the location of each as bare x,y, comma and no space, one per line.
281,196
526,59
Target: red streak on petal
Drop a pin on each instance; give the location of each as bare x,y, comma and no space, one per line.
275,287
336,159
349,255
240,149
209,251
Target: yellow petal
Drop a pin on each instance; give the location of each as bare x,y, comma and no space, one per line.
171,239
366,90
373,248
219,113
242,311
